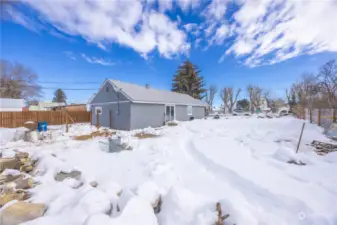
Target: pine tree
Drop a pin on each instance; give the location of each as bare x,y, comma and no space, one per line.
59,96
188,81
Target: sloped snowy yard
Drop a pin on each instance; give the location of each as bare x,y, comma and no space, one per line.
239,162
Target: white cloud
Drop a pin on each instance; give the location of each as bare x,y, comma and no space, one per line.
259,32
221,33
284,29
216,9
165,5
185,5
10,12
95,60
70,55
190,27
124,22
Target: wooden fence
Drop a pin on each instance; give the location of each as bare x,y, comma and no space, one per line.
18,119
321,117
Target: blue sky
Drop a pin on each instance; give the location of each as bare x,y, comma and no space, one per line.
234,43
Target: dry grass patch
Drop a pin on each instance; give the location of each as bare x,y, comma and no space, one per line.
171,124
143,135
104,133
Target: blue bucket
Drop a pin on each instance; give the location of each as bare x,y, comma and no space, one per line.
42,126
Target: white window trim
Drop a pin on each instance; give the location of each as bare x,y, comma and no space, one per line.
175,112
189,113
98,108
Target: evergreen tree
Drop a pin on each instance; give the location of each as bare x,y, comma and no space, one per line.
59,96
188,81
243,104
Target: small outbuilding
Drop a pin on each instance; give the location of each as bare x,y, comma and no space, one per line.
127,106
11,105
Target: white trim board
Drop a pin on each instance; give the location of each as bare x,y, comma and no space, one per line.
144,102
168,103
108,103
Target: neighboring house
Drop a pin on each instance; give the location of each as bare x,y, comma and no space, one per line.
71,107
11,105
45,106
128,106
264,106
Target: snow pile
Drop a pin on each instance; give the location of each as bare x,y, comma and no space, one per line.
242,163
9,134
148,130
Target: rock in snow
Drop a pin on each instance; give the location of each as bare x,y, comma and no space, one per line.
21,212
64,175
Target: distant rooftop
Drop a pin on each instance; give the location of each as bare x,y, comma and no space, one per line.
11,103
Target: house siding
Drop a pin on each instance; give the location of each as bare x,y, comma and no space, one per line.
119,121
198,112
110,96
147,115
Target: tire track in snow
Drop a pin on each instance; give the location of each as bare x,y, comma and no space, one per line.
287,207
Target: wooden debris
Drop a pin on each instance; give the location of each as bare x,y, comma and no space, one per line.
143,135
323,148
20,183
221,218
8,196
157,205
21,212
103,133
9,163
9,178
171,124
21,155
26,168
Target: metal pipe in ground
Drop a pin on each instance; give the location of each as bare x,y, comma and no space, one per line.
299,141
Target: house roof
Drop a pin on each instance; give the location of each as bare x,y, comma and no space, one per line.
51,104
137,93
11,103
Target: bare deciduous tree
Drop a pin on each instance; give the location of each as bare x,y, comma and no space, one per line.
327,81
229,97
255,96
306,90
316,91
18,81
212,90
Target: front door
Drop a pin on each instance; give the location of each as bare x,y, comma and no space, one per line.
169,113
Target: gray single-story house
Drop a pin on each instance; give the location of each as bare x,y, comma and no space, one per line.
126,106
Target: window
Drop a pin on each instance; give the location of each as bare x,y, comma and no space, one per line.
107,89
98,110
189,110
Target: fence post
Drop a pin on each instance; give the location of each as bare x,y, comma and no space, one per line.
90,118
67,127
310,115
319,117
13,119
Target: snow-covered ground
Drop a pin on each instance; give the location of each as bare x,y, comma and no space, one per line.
239,162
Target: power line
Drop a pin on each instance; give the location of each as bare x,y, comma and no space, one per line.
63,82
55,88
70,89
